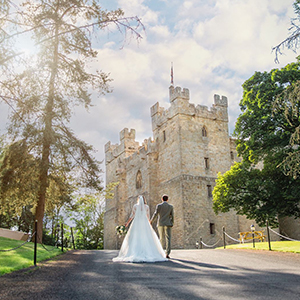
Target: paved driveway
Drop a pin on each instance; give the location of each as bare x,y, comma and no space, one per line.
190,274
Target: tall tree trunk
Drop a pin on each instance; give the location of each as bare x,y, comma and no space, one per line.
47,141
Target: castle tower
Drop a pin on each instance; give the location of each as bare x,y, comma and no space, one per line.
190,146
193,146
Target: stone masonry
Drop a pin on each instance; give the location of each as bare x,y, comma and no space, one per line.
190,145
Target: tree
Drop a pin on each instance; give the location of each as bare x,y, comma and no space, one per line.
259,187
260,130
42,94
259,194
88,215
89,221
17,193
5,51
289,105
292,41
19,186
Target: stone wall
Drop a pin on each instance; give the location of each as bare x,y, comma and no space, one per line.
12,234
190,145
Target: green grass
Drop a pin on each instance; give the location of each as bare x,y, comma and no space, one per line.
283,246
22,257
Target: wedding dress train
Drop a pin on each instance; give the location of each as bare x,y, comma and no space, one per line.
141,244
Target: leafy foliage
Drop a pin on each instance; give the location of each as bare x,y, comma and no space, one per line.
260,130
260,186
17,193
88,216
289,105
261,195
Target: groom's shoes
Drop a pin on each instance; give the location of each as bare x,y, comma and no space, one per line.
167,256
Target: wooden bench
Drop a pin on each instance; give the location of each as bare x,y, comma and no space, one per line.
248,235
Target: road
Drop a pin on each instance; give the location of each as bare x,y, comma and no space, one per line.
190,274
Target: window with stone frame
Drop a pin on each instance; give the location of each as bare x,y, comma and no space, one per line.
139,179
209,191
232,155
204,131
212,228
206,163
164,136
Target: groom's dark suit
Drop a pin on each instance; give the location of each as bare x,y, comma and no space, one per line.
165,213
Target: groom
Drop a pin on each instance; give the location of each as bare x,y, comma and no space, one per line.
165,214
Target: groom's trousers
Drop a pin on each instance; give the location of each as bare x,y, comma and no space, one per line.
165,237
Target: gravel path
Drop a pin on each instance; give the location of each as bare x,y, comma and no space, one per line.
190,274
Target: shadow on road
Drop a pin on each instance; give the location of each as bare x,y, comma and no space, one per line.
92,275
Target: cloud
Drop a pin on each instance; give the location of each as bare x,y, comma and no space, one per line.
137,8
160,32
215,45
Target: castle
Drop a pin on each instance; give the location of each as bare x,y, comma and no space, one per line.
190,145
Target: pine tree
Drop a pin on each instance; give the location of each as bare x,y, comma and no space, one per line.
43,91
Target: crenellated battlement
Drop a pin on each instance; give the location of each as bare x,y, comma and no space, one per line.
180,105
128,147
179,99
126,134
156,109
175,93
220,101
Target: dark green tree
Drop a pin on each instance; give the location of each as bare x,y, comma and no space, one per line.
259,194
258,187
260,130
288,104
44,90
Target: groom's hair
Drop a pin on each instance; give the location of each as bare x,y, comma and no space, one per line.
165,197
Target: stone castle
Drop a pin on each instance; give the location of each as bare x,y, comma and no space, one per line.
190,145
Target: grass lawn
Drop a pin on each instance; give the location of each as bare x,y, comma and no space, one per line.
284,246
22,257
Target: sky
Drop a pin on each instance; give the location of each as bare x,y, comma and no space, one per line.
214,45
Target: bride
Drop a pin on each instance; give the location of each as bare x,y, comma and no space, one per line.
141,243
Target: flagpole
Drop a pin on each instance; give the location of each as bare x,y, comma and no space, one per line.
172,81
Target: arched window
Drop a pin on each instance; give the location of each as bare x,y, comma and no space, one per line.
138,179
204,131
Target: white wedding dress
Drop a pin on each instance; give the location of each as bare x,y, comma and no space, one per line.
141,244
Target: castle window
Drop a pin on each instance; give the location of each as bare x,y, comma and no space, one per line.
232,155
204,131
206,163
212,229
209,191
138,179
164,136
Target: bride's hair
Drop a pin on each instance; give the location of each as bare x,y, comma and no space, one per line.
145,202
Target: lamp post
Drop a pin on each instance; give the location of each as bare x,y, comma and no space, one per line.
252,227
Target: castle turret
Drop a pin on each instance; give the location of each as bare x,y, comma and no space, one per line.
190,146
176,94
221,106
